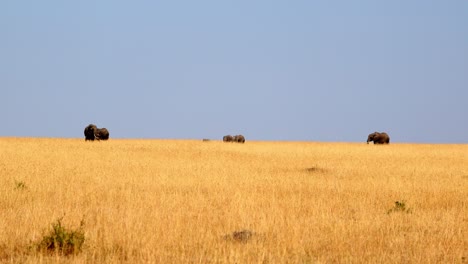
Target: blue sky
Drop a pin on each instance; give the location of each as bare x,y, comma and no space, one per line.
271,70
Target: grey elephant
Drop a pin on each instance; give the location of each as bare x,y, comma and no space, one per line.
228,138
102,134
378,138
239,139
91,132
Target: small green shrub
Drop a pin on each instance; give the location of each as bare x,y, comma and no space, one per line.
400,206
62,240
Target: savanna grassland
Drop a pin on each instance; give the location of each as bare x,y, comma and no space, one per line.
184,201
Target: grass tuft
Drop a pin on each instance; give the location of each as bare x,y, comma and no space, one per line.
20,185
242,236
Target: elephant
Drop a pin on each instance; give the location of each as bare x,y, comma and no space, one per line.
102,134
228,138
378,138
239,139
91,132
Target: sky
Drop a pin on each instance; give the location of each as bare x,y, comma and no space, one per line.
331,71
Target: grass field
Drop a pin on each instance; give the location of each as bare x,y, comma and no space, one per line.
182,201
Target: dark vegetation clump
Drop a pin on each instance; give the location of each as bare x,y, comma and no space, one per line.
20,185
315,170
242,236
62,240
400,206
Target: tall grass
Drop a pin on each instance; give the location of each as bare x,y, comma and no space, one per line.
179,201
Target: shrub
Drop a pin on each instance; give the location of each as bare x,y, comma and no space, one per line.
62,240
400,206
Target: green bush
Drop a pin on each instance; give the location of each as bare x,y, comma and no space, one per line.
61,240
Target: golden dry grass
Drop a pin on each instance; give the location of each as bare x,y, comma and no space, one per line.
179,201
